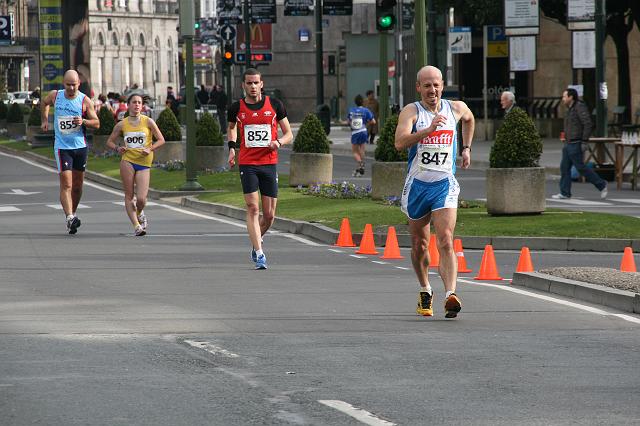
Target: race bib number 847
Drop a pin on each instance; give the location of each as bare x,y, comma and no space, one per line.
257,135
436,151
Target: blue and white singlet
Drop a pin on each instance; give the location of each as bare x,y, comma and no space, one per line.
67,134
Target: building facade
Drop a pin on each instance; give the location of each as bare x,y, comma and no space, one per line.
134,43
19,50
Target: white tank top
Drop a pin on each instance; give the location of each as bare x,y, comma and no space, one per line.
434,157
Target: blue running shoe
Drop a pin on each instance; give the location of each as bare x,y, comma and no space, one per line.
254,256
261,262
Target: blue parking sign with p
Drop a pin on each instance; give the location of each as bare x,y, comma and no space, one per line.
495,33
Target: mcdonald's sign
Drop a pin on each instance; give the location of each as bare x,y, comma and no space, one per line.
260,37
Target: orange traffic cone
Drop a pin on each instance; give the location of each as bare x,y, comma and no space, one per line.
488,267
391,248
462,263
344,238
434,255
524,263
367,245
628,264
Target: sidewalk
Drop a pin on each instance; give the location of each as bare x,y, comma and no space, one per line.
480,149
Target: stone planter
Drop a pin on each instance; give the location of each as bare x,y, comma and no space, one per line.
310,168
171,151
387,179
516,191
31,132
98,144
16,130
211,157
41,140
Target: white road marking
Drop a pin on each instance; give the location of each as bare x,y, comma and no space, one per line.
357,256
211,348
203,216
9,209
403,268
359,414
121,203
379,262
195,235
59,207
578,202
20,192
47,168
336,251
625,200
590,309
303,240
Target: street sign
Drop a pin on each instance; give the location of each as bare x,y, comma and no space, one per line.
460,40
522,17
408,13
229,12
522,53
497,46
5,30
227,32
581,14
263,11
298,7
337,7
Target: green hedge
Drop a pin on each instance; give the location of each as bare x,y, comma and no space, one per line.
386,150
3,110
107,122
34,117
517,142
15,114
311,137
208,131
169,126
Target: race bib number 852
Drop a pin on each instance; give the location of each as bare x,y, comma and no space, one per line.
257,135
66,125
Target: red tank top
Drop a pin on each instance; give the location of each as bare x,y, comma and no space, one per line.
256,130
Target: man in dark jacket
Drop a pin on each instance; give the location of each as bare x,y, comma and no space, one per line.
577,129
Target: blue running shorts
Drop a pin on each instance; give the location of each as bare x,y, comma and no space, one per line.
421,198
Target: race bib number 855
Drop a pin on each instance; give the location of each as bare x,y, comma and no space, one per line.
66,125
257,135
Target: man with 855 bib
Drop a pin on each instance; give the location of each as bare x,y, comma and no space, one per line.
428,129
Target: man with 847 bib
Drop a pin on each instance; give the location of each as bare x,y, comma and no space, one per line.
428,129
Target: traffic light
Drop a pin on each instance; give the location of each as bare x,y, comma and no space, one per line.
331,65
228,54
385,15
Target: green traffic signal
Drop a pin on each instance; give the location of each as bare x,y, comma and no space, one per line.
385,21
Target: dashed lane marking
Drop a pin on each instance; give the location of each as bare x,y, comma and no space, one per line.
9,209
211,348
59,207
359,414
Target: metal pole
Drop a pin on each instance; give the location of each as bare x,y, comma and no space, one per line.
247,34
192,177
384,79
421,34
319,70
601,88
338,84
484,82
398,55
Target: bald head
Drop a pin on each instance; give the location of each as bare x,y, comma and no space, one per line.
71,81
429,72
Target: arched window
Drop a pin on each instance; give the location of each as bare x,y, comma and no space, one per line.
156,59
170,60
114,39
127,39
141,40
100,39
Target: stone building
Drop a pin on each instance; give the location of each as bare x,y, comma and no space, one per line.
134,42
19,49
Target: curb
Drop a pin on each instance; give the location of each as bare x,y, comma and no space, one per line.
619,299
329,236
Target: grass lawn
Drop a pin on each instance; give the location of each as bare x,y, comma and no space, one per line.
472,220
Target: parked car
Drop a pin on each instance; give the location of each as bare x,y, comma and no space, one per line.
21,98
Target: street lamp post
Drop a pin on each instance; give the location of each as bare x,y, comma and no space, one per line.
601,89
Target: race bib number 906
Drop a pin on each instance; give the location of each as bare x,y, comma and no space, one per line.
66,125
257,135
135,139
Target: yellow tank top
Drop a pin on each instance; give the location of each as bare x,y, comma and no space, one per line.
135,139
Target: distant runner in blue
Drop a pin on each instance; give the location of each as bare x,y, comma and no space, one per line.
73,113
358,118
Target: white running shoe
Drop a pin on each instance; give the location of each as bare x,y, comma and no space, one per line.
560,197
139,231
604,192
142,220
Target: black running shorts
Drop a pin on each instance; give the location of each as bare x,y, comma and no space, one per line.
71,159
263,177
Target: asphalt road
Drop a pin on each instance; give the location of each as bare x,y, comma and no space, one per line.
176,328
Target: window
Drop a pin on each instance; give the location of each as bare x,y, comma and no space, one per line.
170,60
114,39
142,70
127,39
100,39
141,40
156,59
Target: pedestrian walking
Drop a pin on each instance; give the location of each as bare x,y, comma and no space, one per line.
428,129
577,130
138,132
371,103
73,112
359,119
253,128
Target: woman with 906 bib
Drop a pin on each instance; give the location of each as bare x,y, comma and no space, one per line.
138,132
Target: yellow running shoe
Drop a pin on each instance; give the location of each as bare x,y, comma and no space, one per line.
425,301
452,306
